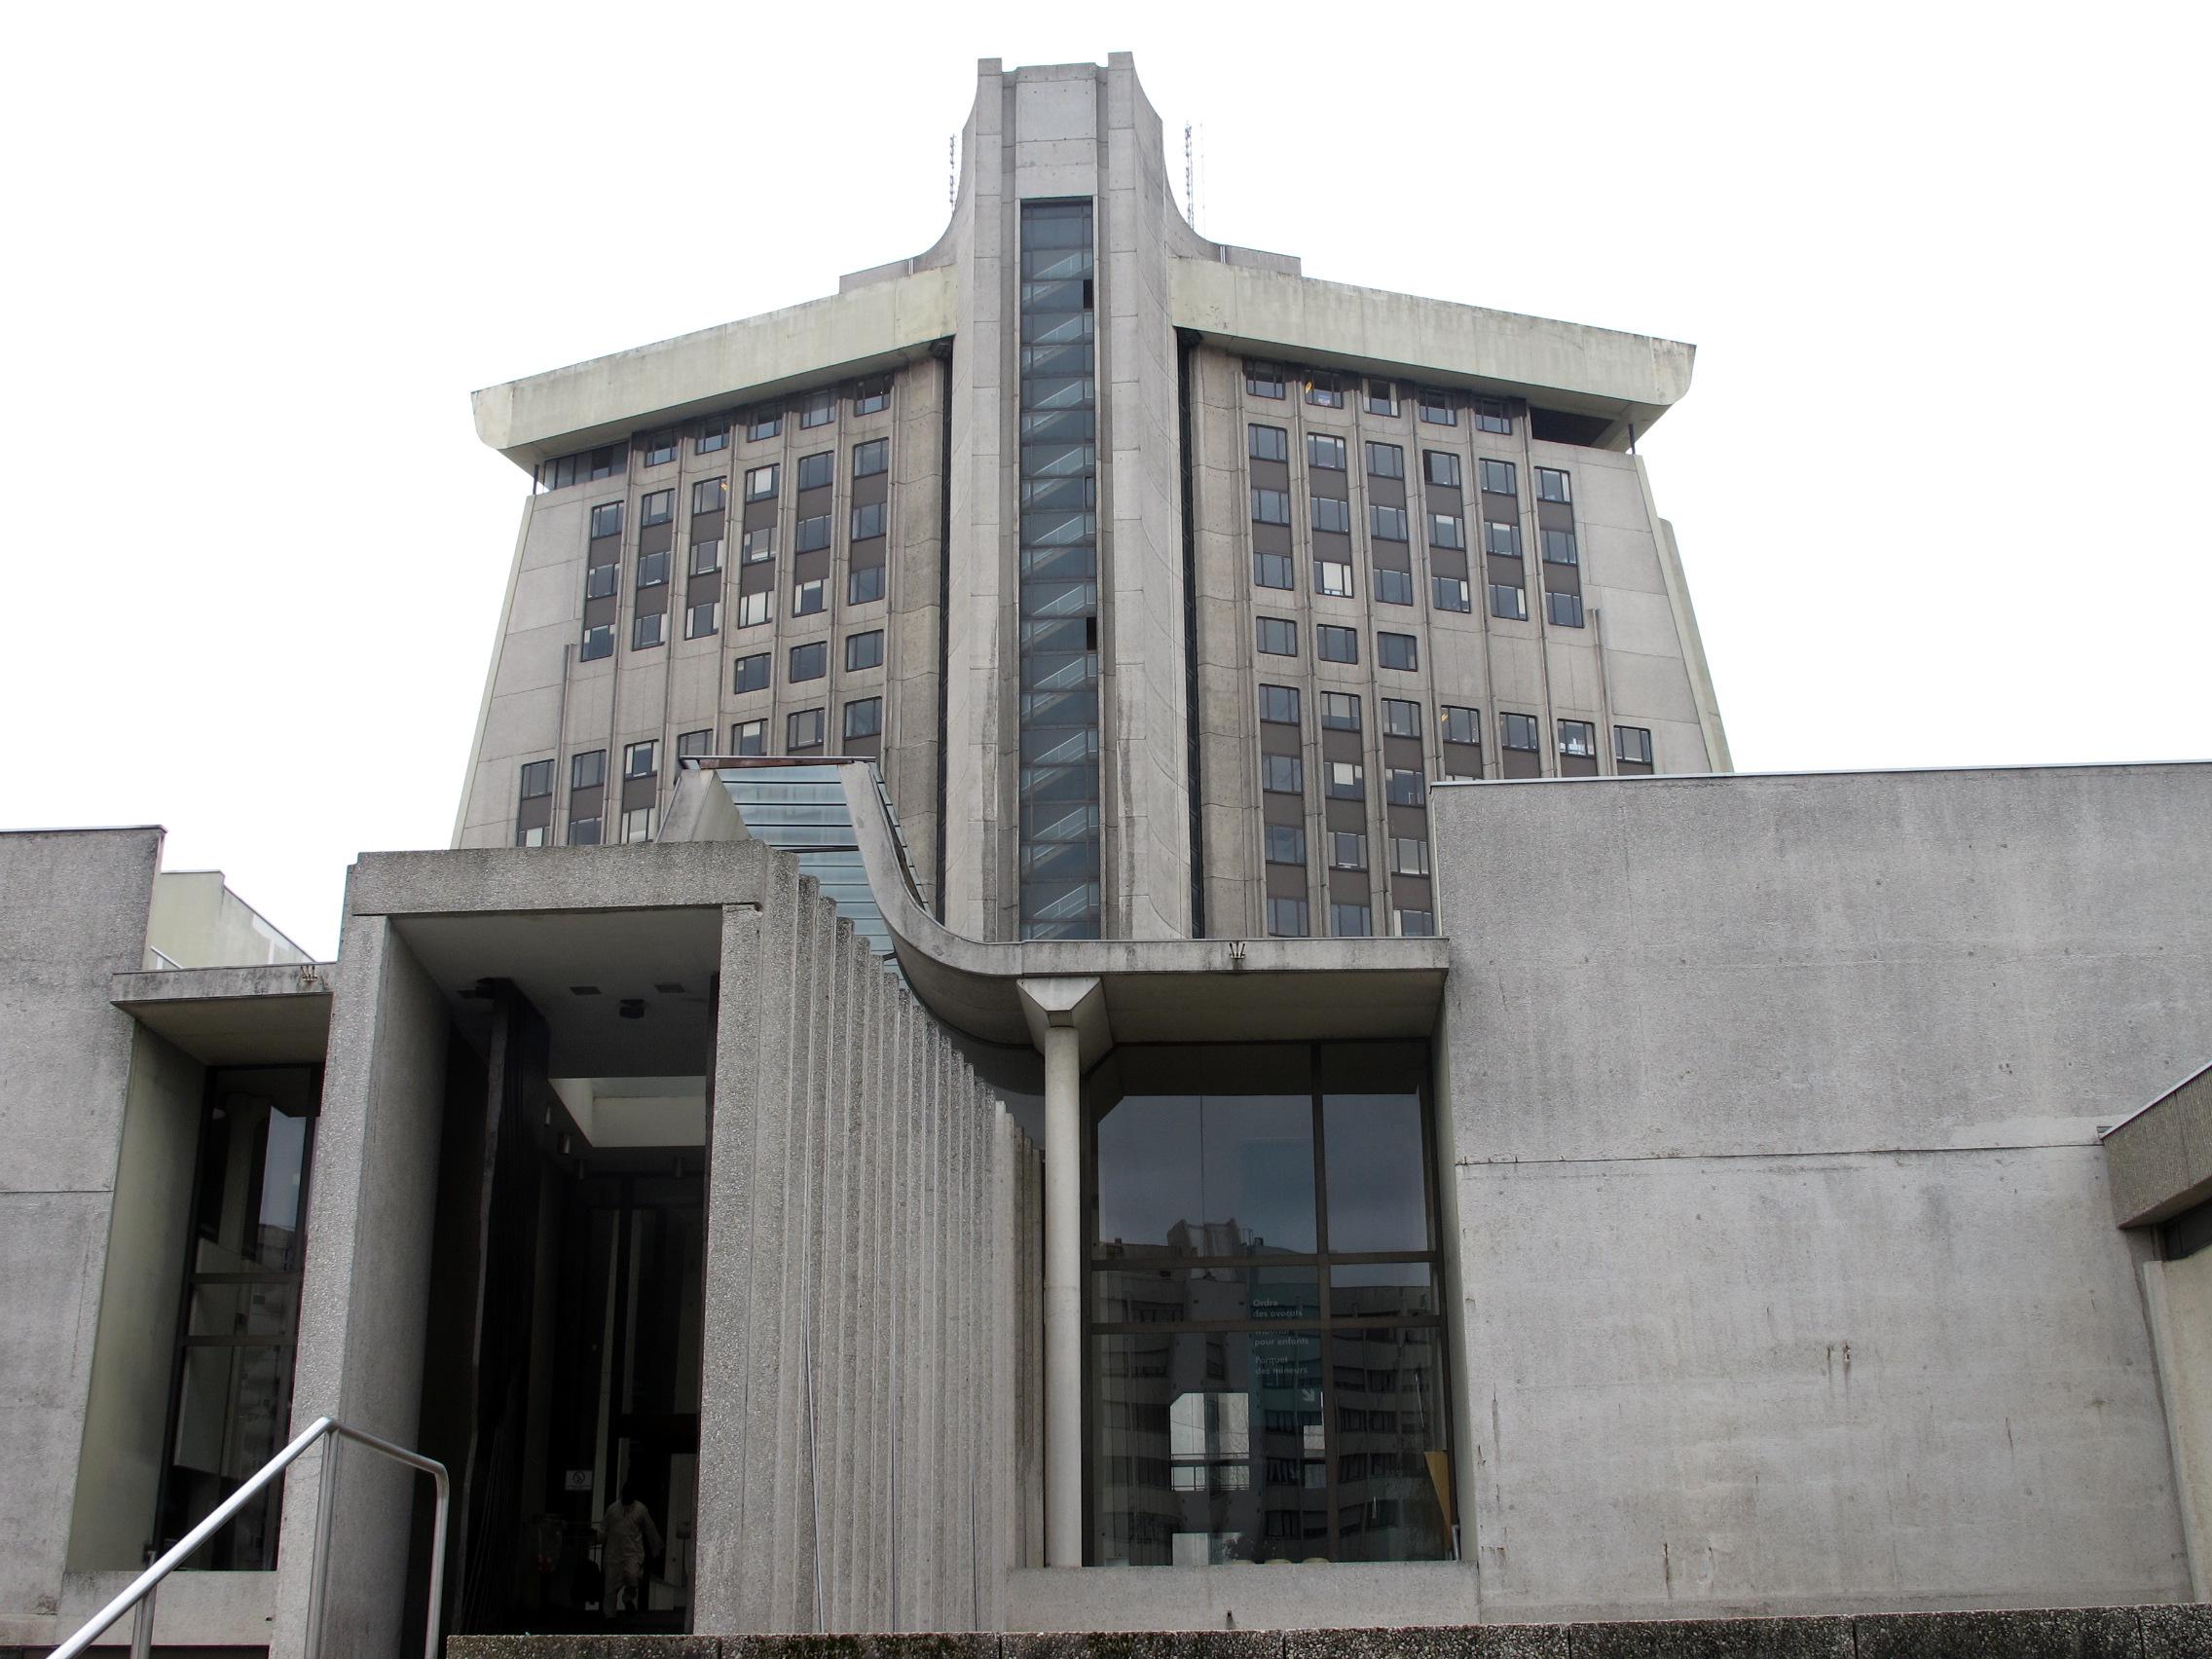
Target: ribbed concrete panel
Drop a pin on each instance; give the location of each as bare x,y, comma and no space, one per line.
871,1312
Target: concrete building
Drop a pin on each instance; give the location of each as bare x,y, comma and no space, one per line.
1159,579
1775,1197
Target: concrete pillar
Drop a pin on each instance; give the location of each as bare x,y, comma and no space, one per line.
1066,1018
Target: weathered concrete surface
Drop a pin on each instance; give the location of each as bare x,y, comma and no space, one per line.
73,909
2161,1157
669,877
2177,1294
1789,1278
1281,1597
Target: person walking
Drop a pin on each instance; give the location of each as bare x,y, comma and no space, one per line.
629,1536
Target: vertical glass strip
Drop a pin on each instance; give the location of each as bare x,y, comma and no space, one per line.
1058,574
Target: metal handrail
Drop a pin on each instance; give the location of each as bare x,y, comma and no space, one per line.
141,1593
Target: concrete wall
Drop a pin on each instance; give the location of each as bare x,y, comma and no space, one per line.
870,1446
1790,1273
360,1353
197,922
73,911
2178,1296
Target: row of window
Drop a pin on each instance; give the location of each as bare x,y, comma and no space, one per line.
1347,849
1342,780
1292,918
1277,636
1284,705
711,436
809,661
1326,390
1326,452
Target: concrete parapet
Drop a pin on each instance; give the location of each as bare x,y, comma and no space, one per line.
2157,1632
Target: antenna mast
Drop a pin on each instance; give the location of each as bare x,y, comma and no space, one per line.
952,169
1189,177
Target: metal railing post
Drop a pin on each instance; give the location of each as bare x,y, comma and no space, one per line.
142,1628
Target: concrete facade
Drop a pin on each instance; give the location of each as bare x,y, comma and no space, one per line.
1785,1246
1605,663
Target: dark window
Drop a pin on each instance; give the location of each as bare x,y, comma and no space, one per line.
1501,540
1280,704
863,651
867,520
1385,460
1271,506
1393,587
1490,416
1352,921
702,619
1577,737
1404,786
1282,774
871,458
758,545
583,831
707,556
818,472
749,673
1381,397
1332,515
641,760
1559,546
1347,781
1436,408
709,494
1324,391
600,581
1441,467
1397,650
1564,608
763,424
810,598
803,731
1459,725
1632,744
1508,601
1348,850
811,534
1552,484
760,483
872,397
1415,924
1263,379
1332,577
1336,644
1286,918
606,520
599,641
1271,570
1325,451
863,717
1276,637
691,743
1498,477
819,409
810,661
1451,593
749,737
1340,711
1385,524
1286,845
1268,443
1446,531
1409,856
653,569
588,770
1400,718
863,585
536,779
657,508
660,449
712,438
1517,731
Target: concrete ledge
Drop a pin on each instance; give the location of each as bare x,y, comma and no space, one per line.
2164,1632
2160,1160
511,880
269,1015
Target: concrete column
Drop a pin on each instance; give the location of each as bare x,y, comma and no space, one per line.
1063,1297
1066,1018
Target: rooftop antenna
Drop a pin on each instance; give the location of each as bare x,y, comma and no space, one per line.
952,169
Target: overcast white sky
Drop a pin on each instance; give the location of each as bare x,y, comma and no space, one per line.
1944,268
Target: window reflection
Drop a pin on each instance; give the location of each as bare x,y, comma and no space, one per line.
1255,1394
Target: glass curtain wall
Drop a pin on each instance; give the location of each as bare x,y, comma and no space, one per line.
1059,573
231,1405
1266,1375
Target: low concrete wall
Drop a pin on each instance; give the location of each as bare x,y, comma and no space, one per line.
2080,1633
870,1448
